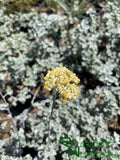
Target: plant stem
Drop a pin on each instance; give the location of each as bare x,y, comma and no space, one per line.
53,105
10,114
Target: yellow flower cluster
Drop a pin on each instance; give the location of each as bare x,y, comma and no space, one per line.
65,81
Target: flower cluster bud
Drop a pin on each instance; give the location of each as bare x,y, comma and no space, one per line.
65,81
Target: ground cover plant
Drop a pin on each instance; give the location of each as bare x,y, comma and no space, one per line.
33,45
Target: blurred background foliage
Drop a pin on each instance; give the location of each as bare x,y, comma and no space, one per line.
76,7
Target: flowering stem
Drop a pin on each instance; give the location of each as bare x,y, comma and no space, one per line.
53,105
10,114
36,92
64,81
14,124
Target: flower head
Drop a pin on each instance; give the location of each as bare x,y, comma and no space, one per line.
65,81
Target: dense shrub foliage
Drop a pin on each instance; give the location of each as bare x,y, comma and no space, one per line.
32,43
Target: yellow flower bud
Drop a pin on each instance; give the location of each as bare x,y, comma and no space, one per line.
44,86
64,101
